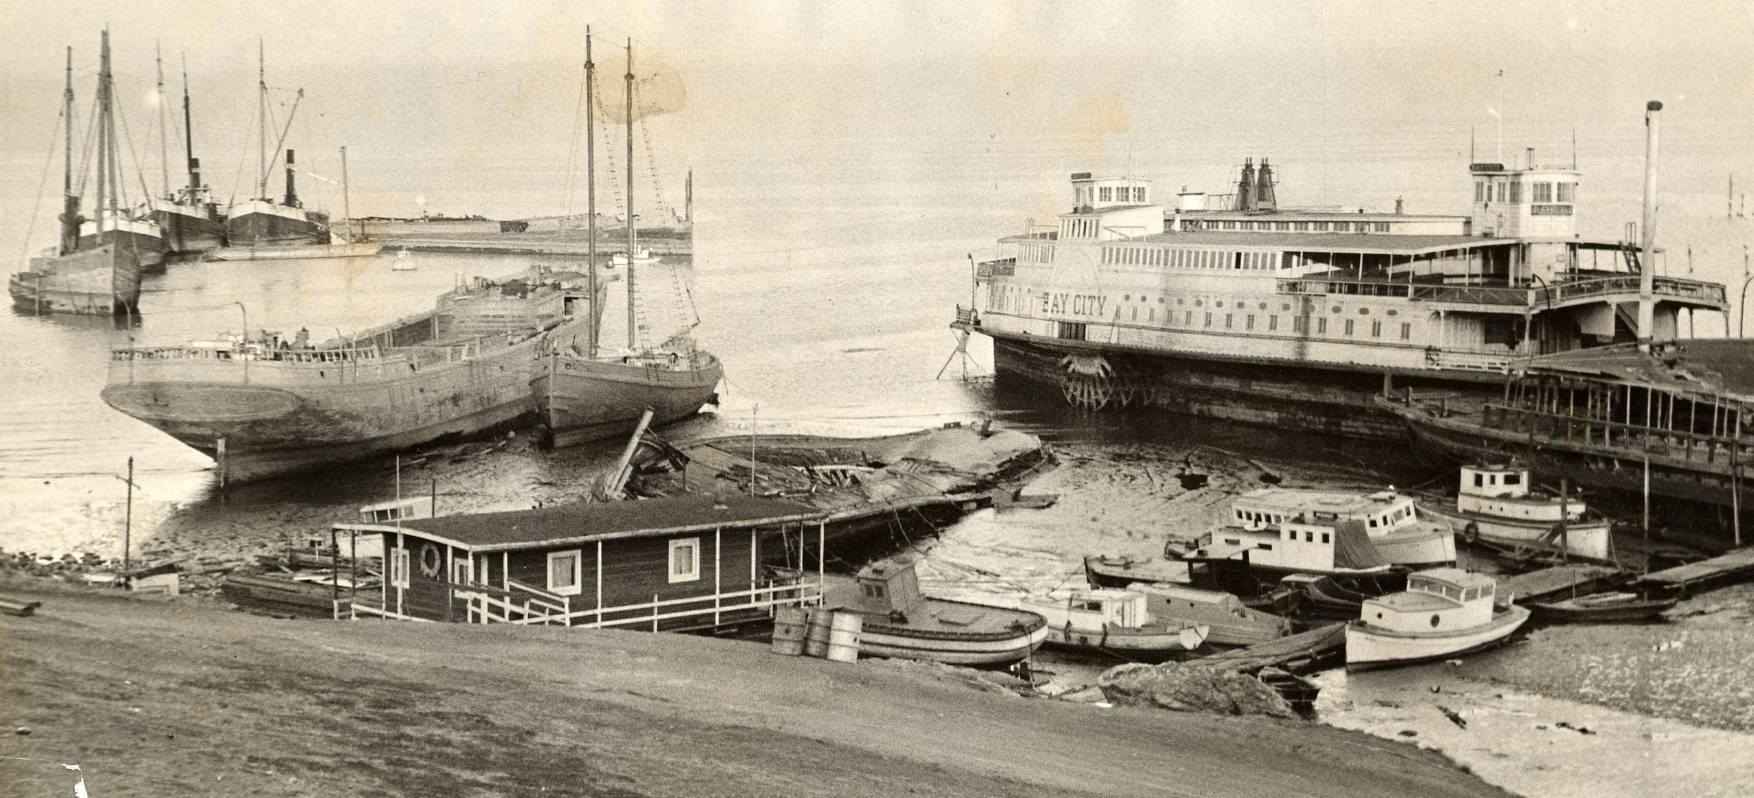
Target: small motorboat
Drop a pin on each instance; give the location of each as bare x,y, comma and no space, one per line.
1123,571
1113,621
900,622
404,261
1444,612
1229,621
1603,608
1497,508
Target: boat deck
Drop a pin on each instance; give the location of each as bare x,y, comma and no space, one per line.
1560,581
1733,566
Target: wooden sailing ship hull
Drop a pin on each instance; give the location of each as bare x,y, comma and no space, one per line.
580,399
1370,646
290,416
102,281
188,230
148,248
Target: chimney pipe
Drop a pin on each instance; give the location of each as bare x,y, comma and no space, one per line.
291,188
1264,199
1399,204
1647,259
1246,186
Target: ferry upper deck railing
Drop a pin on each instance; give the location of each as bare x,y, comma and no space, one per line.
1516,296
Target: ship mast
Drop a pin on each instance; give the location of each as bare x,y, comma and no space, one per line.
632,239
103,129
595,307
189,136
164,158
261,121
69,202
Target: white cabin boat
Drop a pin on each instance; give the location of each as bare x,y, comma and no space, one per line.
1115,620
1246,561
1497,504
1443,612
1390,519
898,621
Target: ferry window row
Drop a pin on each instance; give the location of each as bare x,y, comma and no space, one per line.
1511,191
1300,227
1078,228
1134,194
1192,258
1035,253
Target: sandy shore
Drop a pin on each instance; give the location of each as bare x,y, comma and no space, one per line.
178,697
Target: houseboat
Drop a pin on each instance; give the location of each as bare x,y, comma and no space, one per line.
1248,561
1498,505
901,622
1233,306
677,564
1444,612
1390,519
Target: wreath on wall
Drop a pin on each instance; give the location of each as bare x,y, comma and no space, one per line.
430,560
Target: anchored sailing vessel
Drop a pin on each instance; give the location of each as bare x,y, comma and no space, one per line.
1293,317
263,406
585,392
99,275
189,218
262,220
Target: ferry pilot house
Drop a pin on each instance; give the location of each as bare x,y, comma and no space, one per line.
673,564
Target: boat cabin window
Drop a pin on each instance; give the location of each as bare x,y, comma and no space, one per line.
1088,604
1325,538
1479,480
874,589
1513,479
1308,537
564,571
684,560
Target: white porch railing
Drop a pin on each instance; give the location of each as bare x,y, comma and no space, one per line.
527,606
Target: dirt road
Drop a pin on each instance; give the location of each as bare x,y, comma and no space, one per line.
180,697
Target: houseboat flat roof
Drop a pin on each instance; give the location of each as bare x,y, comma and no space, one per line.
1332,501
591,521
1722,366
1457,577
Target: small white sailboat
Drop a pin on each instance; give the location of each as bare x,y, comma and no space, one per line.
1444,612
404,261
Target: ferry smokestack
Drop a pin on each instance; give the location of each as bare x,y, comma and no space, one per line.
1246,186
1264,199
291,187
1647,249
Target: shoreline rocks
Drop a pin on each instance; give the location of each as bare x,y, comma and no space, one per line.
1186,688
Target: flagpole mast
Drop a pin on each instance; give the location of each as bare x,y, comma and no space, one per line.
595,308
632,239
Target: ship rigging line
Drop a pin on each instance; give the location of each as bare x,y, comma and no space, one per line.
572,155
43,184
138,171
85,149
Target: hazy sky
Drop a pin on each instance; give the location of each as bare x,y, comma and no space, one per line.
455,82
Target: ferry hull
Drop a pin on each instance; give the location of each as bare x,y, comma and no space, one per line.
1370,647
583,400
104,281
1332,401
187,232
270,430
250,229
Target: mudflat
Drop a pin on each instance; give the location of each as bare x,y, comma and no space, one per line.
158,696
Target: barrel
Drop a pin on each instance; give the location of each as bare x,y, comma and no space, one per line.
816,639
788,631
843,637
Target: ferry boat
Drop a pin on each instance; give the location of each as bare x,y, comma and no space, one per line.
1444,612
898,621
263,406
96,274
1391,520
1235,307
1499,505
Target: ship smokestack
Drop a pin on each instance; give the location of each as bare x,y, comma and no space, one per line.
70,221
1246,186
1400,205
291,188
1647,248
194,177
1264,199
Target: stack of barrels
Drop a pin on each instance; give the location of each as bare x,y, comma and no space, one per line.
817,632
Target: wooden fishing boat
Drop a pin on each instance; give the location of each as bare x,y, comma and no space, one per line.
1111,621
1497,507
1336,596
900,622
1603,608
1444,612
1229,621
1103,571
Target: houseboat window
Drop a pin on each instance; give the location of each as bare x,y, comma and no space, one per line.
684,560
1479,480
1513,479
399,567
563,572
1325,538
1308,536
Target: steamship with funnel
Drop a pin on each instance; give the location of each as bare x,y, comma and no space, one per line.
261,220
1296,318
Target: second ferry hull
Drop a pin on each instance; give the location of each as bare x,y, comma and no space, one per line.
1285,396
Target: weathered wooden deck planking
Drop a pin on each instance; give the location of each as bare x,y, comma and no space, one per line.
1558,581
1731,566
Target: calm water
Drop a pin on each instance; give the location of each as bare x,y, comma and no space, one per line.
824,276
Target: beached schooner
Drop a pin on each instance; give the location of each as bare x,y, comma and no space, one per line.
586,392
262,220
100,274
